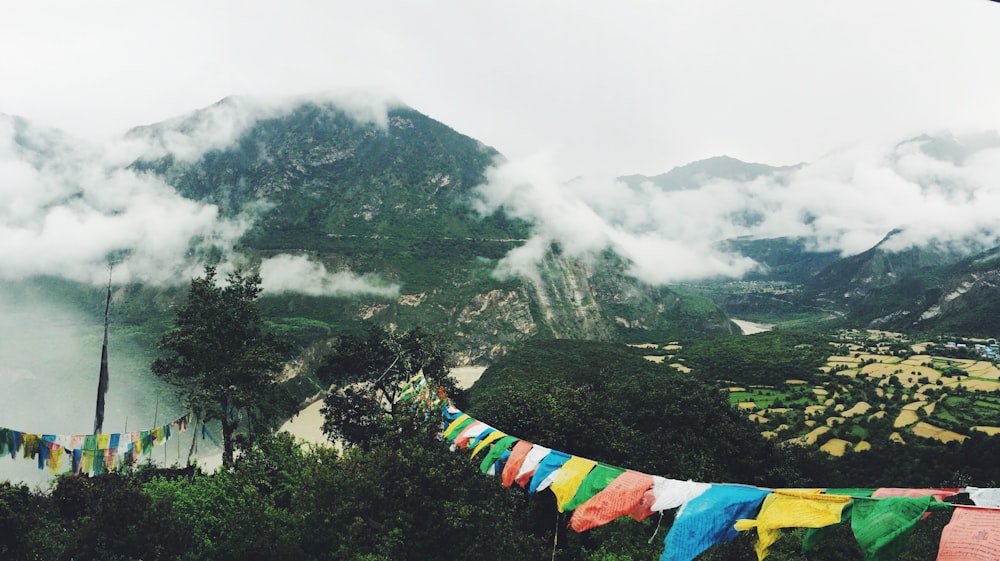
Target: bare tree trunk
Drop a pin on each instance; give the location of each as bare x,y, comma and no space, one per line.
227,441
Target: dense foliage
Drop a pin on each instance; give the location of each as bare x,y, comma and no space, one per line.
220,353
605,402
404,496
366,372
766,358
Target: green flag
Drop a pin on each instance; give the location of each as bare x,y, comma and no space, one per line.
882,526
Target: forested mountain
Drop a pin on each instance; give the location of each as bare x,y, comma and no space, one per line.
396,199
390,196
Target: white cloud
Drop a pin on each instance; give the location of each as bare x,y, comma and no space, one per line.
189,137
68,208
298,273
64,211
846,201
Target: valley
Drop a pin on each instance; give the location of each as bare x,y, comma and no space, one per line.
876,389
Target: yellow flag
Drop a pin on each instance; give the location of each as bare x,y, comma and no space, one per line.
454,424
792,508
487,440
569,478
87,463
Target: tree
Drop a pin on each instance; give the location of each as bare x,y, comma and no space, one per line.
220,353
367,372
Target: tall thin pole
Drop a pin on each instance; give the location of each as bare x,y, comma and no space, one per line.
102,383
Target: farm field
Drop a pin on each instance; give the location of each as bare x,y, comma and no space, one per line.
877,388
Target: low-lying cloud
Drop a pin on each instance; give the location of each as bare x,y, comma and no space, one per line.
68,209
299,274
189,137
941,189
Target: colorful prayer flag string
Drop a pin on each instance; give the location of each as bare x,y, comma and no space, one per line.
708,514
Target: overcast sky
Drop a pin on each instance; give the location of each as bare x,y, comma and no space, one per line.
566,90
624,87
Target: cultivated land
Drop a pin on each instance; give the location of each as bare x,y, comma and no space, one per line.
878,387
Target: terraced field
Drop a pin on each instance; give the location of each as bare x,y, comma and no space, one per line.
865,399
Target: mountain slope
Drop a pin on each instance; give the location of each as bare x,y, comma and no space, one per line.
394,199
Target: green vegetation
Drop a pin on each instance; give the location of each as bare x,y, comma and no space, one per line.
765,358
605,402
403,496
221,355
366,373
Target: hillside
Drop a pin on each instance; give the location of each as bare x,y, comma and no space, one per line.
393,200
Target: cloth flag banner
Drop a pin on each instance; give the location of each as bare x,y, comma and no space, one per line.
938,494
708,519
569,478
988,497
517,457
883,526
815,536
617,499
552,461
972,535
597,480
709,514
792,508
453,428
530,464
88,453
470,432
484,442
666,494
496,451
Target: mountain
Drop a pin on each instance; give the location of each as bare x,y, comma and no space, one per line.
696,174
788,259
932,288
395,199
961,298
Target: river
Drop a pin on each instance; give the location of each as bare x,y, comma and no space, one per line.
751,327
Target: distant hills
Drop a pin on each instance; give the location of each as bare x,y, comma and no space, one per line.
697,174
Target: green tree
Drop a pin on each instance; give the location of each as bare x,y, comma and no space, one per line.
220,353
367,372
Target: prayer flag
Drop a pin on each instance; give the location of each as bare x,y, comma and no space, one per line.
470,432
666,494
708,519
972,535
814,536
792,508
549,464
989,497
453,427
882,526
568,480
490,438
497,450
517,456
617,499
596,481
530,464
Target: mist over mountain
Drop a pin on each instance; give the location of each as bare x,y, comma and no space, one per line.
697,174
358,208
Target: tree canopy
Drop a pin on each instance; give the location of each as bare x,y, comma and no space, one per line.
605,402
220,353
366,372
